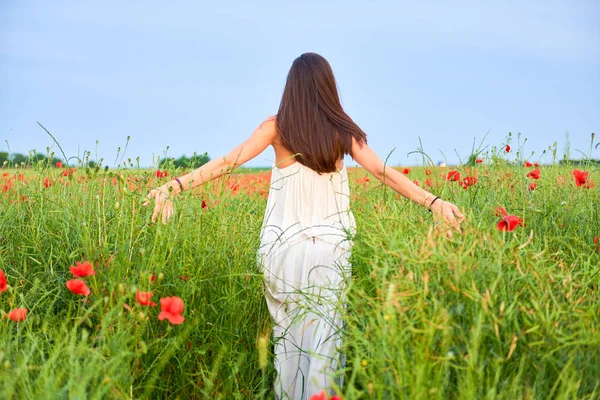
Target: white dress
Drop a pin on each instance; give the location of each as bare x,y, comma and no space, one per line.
304,255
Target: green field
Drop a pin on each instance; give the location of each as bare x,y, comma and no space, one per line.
488,314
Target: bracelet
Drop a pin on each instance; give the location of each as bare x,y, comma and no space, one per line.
425,199
431,204
180,185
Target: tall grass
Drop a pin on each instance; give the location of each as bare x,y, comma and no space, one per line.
487,314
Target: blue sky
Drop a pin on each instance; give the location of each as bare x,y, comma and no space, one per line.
200,76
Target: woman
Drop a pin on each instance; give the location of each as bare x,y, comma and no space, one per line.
308,225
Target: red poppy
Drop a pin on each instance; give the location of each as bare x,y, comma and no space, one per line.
171,309
323,396
68,171
581,178
233,185
509,223
596,240
81,270
536,164
184,278
532,186
453,176
468,181
144,298
319,396
157,173
406,171
18,314
528,164
535,174
59,164
3,282
507,149
77,286
416,182
500,212
427,172
429,182
47,182
152,278
204,205
479,161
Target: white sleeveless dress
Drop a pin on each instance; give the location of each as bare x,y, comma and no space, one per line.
304,255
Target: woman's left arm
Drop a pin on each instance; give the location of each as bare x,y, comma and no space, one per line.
260,139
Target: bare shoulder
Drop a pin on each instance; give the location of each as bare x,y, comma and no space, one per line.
270,122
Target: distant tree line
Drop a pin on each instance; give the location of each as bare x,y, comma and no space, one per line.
579,162
18,159
28,161
195,161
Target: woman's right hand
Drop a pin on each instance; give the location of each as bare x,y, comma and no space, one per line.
162,204
447,215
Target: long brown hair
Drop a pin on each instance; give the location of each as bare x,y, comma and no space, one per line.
311,120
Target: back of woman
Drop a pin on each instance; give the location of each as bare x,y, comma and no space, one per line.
307,231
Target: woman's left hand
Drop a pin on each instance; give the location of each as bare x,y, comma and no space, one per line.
163,204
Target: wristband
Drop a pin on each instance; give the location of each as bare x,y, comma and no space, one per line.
431,204
180,185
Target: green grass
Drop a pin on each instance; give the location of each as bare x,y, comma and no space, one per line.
488,314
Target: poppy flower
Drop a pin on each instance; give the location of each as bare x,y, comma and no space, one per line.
536,164
468,181
507,149
528,164
416,182
532,186
427,172
171,309
453,176
18,314
81,270
68,171
509,223
152,278
479,161
319,396
204,205
581,178
535,174
323,396
500,212
47,182
406,171
144,298
429,182
184,278
77,286
596,240
59,164
3,282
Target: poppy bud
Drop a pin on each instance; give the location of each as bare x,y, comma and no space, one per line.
161,276
263,344
117,205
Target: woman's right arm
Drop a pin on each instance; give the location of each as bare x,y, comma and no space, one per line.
369,160
260,139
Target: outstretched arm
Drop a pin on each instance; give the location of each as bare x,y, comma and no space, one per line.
370,161
260,139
